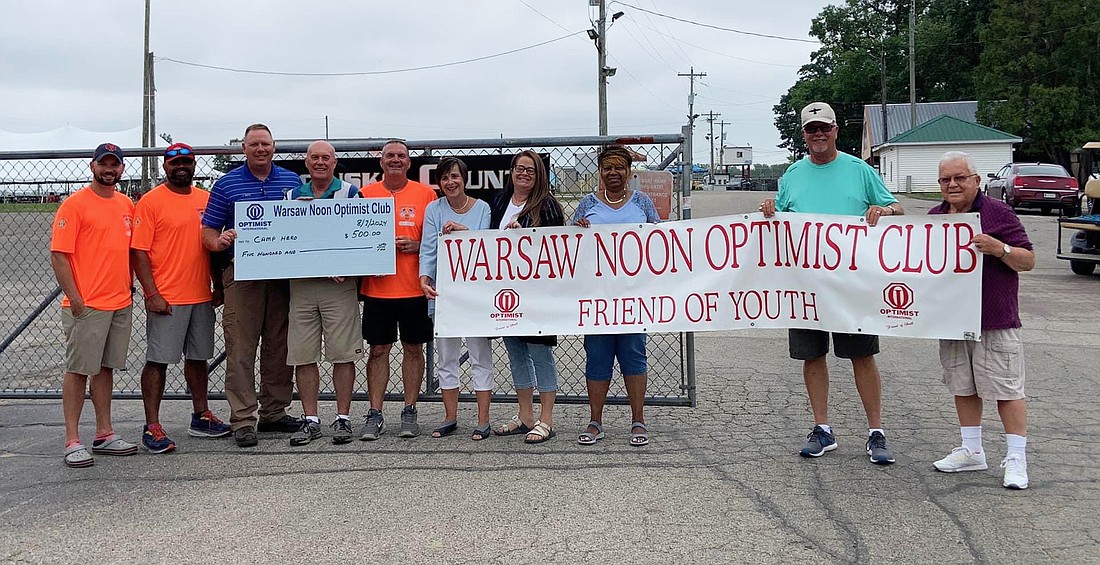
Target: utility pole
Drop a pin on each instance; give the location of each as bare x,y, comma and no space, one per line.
711,116
722,143
691,74
912,65
326,126
599,37
145,101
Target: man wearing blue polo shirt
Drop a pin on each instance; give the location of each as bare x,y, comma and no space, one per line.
254,310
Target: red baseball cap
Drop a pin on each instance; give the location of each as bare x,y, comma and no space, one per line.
178,150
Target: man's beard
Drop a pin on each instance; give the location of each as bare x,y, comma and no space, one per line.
102,179
181,180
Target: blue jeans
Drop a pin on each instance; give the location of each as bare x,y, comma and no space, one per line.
531,362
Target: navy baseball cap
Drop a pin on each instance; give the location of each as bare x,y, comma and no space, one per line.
105,150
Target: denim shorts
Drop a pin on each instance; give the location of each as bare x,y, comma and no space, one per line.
602,350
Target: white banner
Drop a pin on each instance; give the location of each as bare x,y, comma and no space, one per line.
289,239
911,276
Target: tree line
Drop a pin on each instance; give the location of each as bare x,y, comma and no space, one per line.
1032,65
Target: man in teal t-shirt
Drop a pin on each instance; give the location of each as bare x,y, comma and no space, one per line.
826,181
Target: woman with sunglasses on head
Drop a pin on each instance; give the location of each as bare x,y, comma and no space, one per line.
456,211
615,203
525,203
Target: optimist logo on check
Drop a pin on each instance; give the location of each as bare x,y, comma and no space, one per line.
255,212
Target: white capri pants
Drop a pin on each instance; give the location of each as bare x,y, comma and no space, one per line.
449,349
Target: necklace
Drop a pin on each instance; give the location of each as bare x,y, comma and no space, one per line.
463,207
610,201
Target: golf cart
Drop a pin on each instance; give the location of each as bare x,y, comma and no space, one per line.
1084,252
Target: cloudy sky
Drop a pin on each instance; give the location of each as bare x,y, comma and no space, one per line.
79,65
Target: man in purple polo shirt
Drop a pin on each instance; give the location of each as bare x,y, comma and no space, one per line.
993,368
253,309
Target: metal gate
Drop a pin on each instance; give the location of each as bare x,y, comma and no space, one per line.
31,182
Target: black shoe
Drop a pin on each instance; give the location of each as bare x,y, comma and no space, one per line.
285,425
245,437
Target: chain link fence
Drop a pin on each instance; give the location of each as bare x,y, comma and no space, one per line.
32,183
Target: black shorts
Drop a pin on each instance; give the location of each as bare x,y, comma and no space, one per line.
382,317
811,344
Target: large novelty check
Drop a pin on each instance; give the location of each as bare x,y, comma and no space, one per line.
291,239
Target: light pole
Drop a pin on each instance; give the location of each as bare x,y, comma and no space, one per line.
599,37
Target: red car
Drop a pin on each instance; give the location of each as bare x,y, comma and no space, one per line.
1035,185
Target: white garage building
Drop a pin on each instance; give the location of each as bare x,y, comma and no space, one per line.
909,161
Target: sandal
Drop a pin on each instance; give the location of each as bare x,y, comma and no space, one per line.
481,432
515,426
540,433
78,456
638,440
113,445
588,438
445,429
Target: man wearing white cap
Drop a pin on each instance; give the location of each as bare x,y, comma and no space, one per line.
826,181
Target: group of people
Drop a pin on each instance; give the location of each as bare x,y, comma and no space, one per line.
185,270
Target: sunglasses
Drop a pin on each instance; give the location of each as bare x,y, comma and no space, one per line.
177,152
819,128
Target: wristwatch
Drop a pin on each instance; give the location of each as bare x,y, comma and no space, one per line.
1008,250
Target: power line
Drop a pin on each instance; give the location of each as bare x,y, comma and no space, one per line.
719,53
720,28
368,73
544,16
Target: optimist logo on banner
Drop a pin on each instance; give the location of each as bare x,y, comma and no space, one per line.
899,297
507,303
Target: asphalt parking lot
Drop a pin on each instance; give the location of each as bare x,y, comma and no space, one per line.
719,483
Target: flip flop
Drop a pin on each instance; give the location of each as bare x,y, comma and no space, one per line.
588,438
445,429
513,427
481,432
78,456
541,431
638,440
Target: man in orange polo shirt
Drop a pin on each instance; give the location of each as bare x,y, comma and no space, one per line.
174,270
90,256
394,301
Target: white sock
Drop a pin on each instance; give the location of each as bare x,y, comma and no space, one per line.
314,419
343,417
1017,445
828,429
972,438
873,430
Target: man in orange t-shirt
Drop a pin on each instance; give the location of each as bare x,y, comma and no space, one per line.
174,270
90,256
393,301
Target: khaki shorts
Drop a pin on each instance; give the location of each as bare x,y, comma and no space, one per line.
98,338
324,307
188,331
992,368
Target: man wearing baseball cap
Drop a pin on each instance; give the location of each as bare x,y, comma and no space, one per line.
174,270
90,256
826,181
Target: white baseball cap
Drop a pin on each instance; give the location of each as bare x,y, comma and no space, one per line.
818,112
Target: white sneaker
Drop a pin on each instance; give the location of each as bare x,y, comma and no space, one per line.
1015,472
962,459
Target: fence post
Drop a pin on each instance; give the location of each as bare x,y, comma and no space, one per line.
685,214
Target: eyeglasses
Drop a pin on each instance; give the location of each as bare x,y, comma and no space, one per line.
957,179
522,169
819,128
177,152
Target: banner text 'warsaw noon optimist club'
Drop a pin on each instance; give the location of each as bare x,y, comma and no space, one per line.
912,276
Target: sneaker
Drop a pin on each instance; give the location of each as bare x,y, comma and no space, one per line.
307,432
876,448
373,426
341,431
155,440
961,459
286,425
817,443
113,445
409,427
245,437
1015,472
206,424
